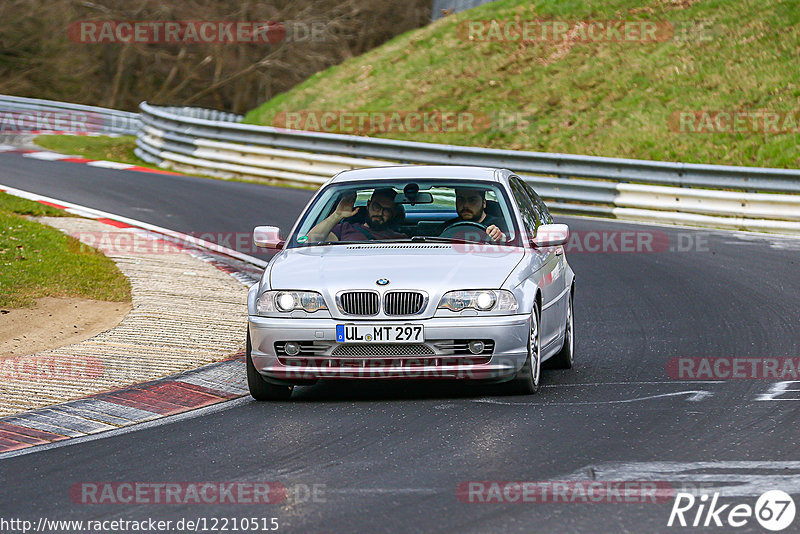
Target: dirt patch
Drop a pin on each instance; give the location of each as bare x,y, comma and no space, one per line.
55,322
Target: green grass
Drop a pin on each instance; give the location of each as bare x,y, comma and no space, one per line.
118,149
22,206
40,261
606,99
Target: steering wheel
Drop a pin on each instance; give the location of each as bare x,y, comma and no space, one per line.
467,230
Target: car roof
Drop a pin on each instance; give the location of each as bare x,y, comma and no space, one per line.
419,172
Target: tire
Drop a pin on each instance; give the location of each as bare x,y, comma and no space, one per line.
260,389
565,357
528,378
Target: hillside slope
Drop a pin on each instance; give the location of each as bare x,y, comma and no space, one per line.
656,99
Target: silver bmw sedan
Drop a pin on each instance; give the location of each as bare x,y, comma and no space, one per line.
413,272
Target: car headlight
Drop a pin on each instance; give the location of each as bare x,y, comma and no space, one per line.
286,301
481,300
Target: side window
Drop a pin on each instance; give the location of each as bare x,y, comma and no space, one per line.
538,203
526,207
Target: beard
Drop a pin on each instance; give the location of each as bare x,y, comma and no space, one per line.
377,223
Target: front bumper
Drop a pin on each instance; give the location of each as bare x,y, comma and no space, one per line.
508,332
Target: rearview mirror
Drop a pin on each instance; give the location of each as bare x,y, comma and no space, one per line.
413,199
551,235
267,237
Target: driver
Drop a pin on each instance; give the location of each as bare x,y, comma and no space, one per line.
471,206
381,213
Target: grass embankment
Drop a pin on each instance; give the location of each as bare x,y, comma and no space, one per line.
40,261
100,147
617,99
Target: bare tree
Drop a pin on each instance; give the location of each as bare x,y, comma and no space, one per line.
38,58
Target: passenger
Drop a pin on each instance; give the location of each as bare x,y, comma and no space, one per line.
382,212
471,207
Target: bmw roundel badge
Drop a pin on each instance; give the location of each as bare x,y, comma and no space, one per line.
382,281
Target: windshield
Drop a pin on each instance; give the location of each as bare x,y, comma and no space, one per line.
421,210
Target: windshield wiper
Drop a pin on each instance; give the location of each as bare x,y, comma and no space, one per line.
414,239
321,243
433,239
437,239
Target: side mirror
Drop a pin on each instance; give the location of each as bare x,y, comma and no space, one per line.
551,235
267,237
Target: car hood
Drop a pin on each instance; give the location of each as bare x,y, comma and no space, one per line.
432,268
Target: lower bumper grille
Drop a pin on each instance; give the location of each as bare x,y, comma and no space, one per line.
380,349
379,355
383,362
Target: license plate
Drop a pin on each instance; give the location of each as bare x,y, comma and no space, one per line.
405,333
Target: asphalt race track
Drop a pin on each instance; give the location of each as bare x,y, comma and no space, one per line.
390,456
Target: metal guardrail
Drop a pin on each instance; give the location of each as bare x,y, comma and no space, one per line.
216,143
202,113
454,6
676,193
20,114
565,165
218,153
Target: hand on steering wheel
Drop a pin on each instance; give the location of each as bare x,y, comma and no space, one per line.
461,229
495,233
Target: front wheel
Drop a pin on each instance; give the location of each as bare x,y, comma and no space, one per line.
527,379
260,389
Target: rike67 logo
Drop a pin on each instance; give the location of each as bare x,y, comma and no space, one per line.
774,510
